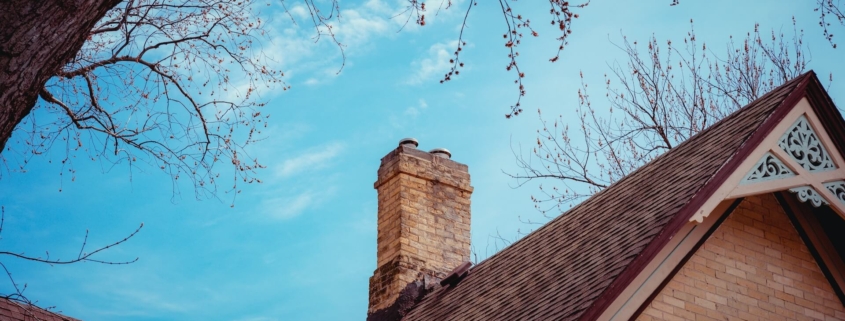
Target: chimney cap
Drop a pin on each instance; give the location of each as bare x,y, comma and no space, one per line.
441,152
409,141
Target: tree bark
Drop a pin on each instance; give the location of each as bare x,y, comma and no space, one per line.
37,38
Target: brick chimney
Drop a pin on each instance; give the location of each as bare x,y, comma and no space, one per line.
423,221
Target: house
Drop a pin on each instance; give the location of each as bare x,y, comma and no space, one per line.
11,310
743,221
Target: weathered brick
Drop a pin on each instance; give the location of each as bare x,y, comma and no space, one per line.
423,221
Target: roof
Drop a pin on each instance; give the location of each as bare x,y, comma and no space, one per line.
577,264
16,311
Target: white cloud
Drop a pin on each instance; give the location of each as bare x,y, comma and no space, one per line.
288,207
357,26
415,111
310,160
298,48
299,12
292,194
434,65
289,46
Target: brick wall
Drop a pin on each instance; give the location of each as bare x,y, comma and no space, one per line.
753,267
423,221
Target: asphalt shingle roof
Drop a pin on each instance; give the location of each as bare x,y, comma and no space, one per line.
16,311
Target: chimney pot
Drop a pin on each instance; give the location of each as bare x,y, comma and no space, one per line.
409,142
441,152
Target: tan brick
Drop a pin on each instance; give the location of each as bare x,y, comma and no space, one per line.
793,291
783,280
718,299
756,278
696,309
706,270
766,306
663,307
717,282
794,307
700,289
746,268
834,304
653,312
757,295
672,317
705,303
772,284
755,266
806,303
773,253
748,316
735,272
747,300
673,301
423,221
785,296
704,318
792,275
812,297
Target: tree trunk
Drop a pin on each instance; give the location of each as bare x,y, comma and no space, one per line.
36,39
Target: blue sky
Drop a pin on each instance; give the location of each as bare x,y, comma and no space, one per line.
301,245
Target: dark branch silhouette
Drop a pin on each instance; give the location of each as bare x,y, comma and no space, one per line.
83,256
660,97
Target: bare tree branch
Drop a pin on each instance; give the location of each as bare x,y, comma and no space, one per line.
661,96
82,256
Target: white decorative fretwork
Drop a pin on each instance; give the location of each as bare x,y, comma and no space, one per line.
800,155
769,167
837,188
803,144
807,193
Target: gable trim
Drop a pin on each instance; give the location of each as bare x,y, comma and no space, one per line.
696,203
803,179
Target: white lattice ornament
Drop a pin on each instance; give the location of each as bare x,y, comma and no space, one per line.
838,189
807,193
803,144
769,167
